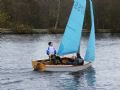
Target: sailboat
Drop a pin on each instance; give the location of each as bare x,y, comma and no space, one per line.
70,42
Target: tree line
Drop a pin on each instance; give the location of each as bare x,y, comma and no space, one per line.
53,14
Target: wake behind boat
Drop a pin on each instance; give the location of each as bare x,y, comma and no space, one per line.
70,42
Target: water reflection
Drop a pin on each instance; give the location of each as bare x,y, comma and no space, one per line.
84,78
103,35
90,77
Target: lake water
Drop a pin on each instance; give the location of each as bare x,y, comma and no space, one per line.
17,51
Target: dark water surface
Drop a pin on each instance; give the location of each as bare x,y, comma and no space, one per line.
17,51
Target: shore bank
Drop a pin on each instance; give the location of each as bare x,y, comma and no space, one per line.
52,31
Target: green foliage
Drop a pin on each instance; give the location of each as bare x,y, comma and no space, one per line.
53,31
4,19
43,14
22,29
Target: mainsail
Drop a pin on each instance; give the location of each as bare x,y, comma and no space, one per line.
90,52
72,36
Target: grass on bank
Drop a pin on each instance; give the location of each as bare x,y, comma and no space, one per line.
25,29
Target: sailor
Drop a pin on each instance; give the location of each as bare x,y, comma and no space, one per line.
79,60
51,52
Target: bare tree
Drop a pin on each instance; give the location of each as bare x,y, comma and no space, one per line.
58,14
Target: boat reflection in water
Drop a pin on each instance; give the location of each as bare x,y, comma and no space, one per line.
84,79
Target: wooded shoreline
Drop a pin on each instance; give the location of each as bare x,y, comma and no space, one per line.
50,31
24,15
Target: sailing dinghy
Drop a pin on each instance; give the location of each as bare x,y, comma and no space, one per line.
70,42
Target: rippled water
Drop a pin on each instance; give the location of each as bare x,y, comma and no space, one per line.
17,51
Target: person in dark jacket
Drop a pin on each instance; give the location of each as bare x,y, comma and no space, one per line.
79,60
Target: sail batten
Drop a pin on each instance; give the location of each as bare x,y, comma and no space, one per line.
71,39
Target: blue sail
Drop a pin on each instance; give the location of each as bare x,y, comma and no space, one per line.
71,40
90,52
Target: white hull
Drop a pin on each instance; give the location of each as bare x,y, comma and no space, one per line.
67,67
